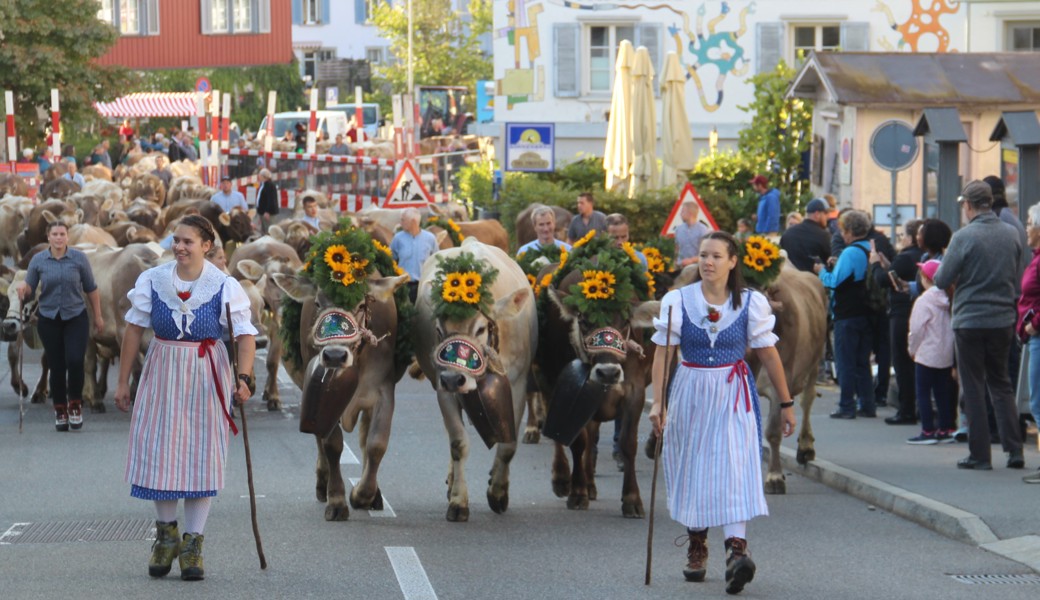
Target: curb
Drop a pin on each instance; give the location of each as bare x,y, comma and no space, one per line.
942,518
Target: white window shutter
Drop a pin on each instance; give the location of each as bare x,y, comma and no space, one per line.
206,12
650,36
566,60
263,16
297,12
855,36
769,42
359,12
326,10
150,20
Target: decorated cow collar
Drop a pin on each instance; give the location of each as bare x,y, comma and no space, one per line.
605,339
461,353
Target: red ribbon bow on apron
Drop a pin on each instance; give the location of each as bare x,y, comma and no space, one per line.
205,350
738,368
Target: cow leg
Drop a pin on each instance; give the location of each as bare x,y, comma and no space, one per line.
579,496
90,377
274,359
591,457
375,434
102,380
332,448
40,392
775,481
498,484
321,473
806,448
561,471
458,443
535,411
631,501
20,389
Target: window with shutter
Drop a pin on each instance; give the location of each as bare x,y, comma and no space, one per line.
360,11
297,12
324,12
151,17
855,36
263,16
650,36
566,59
206,14
769,45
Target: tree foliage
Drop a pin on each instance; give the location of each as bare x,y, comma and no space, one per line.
445,46
46,44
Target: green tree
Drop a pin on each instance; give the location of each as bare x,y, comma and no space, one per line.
445,45
46,44
780,131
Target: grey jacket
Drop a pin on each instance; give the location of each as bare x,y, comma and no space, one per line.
983,260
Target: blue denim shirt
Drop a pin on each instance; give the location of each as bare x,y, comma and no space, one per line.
411,252
63,282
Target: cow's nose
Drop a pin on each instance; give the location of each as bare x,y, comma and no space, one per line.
452,381
10,329
333,356
607,374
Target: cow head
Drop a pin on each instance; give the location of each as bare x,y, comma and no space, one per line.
238,224
12,324
339,334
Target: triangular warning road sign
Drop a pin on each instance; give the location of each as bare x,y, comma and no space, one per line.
688,194
408,190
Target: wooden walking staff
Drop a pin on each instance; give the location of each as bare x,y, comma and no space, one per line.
657,448
245,442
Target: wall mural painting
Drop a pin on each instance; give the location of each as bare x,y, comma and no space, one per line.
525,82
718,49
923,22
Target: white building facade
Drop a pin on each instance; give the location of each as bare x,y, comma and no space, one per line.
556,57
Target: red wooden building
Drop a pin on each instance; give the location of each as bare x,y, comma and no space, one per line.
185,34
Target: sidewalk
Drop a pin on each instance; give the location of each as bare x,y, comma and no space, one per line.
871,460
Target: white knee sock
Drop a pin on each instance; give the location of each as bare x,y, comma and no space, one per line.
166,510
196,510
737,530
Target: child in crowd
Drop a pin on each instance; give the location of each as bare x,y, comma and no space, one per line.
744,230
930,343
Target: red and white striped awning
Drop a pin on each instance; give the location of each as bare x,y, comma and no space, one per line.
149,104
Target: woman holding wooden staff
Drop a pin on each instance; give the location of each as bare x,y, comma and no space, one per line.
712,429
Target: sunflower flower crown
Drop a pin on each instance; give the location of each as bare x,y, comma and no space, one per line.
612,279
534,260
449,225
461,287
760,261
660,254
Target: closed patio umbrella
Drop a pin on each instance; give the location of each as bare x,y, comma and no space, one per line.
676,143
617,156
644,125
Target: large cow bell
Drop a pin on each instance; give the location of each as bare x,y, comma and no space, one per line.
575,400
490,409
326,394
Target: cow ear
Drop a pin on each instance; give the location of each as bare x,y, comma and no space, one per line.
441,236
49,216
4,286
382,289
556,296
276,232
250,269
79,215
643,314
225,219
297,287
107,205
511,305
131,232
261,284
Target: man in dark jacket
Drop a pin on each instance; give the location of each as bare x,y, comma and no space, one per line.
266,200
904,269
808,242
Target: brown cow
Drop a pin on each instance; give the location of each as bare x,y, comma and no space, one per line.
13,184
14,213
357,378
36,228
148,187
487,231
58,189
128,232
525,228
80,234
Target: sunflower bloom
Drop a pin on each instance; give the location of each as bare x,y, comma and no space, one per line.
382,247
471,296
471,281
450,294
453,281
337,256
631,252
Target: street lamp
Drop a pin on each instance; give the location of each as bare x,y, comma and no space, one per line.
411,77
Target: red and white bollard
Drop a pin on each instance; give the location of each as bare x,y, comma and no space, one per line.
55,125
12,136
200,112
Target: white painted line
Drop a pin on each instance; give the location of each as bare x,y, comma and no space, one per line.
410,573
387,511
348,457
258,496
12,532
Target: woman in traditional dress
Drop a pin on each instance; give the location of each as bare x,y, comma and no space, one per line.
712,428
179,428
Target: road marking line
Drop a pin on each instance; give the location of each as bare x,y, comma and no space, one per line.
410,573
12,532
348,457
258,496
387,511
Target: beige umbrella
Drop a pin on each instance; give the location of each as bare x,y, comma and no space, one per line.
617,157
676,143
644,125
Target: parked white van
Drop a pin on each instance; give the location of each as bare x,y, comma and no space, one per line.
369,111
330,123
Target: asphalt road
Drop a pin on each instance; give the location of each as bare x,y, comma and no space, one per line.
817,543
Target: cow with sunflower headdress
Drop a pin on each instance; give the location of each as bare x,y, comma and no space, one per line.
344,325
475,338
592,359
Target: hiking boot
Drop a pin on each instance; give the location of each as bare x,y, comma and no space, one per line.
76,414
191,557
61,417
166,547
740,569
696,555
925,438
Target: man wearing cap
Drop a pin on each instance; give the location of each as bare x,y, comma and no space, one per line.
768,215
809,242
228,198
982,260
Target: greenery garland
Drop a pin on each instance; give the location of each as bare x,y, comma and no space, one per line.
660,254
760,261
461,287
449,225
534,260
289,332
612,278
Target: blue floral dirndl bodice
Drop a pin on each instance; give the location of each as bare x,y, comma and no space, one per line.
205,325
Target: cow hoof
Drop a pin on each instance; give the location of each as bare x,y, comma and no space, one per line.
806,456
22,390
632,510
375,503
98,408
498,505
532,436
575,502
321,494
775,485
337,513
593,491
274,404
38,398
562,488
458,514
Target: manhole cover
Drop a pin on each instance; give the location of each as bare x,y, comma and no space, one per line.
991,579
79,531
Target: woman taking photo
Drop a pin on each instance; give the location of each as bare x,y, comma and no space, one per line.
64,276
712,428
179,428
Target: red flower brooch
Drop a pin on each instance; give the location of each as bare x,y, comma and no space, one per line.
713,315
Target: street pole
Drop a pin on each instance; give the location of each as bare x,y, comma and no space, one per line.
411,77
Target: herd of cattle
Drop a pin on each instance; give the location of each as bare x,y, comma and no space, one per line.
117,218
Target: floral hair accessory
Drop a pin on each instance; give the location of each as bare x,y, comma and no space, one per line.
461,287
